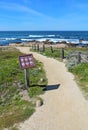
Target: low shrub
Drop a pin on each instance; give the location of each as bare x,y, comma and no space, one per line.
34,91
13,108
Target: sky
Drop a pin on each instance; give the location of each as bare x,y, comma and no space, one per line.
56,15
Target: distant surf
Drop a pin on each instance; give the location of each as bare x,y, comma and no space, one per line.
7,37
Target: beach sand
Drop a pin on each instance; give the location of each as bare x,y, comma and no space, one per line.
64,108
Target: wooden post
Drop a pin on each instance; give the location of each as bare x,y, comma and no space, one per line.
62,53
32,46
26,71
37,47
51,49
79,57
43,47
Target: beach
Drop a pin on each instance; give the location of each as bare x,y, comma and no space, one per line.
64,108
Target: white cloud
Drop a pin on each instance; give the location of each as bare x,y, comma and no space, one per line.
21,8
18,7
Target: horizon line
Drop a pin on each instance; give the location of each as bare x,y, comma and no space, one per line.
43,30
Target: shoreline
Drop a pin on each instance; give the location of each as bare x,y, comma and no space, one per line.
47,43
69,37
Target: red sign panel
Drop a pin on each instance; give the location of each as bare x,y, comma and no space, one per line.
26,61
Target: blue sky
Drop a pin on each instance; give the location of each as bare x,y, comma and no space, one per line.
43,14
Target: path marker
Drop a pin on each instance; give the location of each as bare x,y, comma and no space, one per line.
26,62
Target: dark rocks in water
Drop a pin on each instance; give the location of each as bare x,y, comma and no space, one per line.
18,42
80,40
48,42
1,45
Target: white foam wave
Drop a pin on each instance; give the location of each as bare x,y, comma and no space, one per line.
59,40
26,39
11,38
43,39
35,35
50,35
50,39
67,40
7,39
85,42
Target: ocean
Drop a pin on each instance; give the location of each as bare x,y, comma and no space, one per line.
7,37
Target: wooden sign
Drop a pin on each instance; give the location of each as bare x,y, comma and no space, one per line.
26,61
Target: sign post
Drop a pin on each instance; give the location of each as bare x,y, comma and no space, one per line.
26,61
27,82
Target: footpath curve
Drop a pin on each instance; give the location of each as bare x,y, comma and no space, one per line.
64,108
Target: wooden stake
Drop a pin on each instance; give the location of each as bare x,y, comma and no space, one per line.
79,57
62,53
37,47
51,49
26,71
43,47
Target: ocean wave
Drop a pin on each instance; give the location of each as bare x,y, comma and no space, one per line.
69,40
11,38
59,40
7,39
85,42
41,36
35,36
50,35
26,39
59,36
50,39
42,39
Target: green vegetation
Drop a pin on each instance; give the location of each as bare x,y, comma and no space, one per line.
36,74
81,73
13,108
9,68
34,91
79,70
52,52
14,128
57,52
16,112
76,49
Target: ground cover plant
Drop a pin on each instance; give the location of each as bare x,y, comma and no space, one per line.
81,74
52,52
79,70
13,108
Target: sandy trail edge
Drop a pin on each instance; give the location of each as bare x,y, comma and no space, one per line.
64,108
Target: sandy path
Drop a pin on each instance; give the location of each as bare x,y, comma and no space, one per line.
64,108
